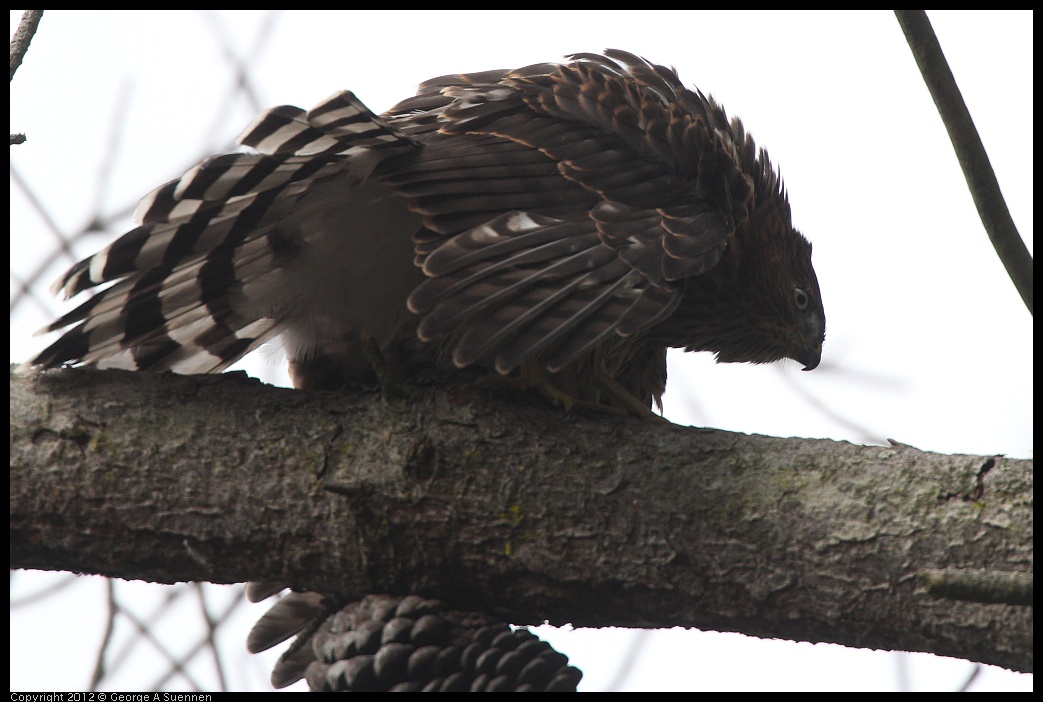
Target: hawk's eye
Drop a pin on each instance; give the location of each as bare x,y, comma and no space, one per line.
801,298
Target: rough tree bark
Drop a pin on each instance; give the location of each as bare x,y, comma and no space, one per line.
511,506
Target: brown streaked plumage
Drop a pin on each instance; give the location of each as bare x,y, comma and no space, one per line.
575,218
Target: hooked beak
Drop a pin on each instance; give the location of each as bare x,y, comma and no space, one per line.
811,357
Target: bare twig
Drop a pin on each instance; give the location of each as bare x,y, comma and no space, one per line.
19,45
23,36
981,179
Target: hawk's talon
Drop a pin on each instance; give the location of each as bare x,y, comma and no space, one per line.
532,376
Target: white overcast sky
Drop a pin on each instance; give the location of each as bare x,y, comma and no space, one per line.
927,340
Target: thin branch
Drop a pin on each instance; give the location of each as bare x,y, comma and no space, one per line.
981,179
206,641
44,593
211,636
112,611
23,36
971,677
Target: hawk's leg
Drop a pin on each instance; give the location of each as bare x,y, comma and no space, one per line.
621,395
533,376
389,376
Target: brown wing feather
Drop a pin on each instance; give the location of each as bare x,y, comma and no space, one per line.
617,183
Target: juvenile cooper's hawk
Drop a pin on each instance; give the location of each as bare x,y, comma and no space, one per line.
563,222
571,221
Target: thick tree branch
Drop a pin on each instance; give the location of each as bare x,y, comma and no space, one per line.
510,506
